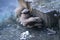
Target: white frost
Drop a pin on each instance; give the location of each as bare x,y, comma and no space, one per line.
25,35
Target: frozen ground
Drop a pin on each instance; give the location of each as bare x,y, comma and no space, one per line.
11,30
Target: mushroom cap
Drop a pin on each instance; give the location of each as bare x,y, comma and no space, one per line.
25,11
29,1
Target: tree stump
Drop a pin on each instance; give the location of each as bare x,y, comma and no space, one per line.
50,18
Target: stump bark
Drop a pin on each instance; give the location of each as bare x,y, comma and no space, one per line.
50,18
